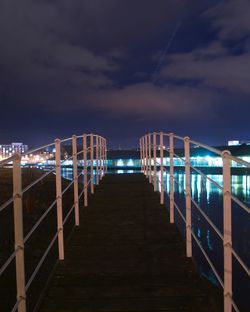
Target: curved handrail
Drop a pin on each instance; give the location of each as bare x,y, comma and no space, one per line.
212,149
89,151
227,158
239,161
8,160
37,149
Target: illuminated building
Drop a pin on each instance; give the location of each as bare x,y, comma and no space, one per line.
7,150
233,143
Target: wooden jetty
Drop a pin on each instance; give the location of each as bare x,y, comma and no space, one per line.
126,256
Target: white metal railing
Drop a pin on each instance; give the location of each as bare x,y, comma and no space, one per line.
94,156
165,141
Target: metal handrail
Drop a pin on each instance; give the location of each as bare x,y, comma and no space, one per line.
201,173
240,203
66,140
100,150
178,137
37,181
239,161
17,304
69,158
235,199
235,306
179,157
180,213
212,149
80,152
8,261
238,258
208,260
33,275
206,177
209,221
39,221
146,149
67,187
8,160
6,204
90,134
37,149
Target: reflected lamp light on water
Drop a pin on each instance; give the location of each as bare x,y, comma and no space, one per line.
130,163
120,163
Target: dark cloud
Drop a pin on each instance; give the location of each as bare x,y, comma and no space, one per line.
231,19
84,58
153,102
48,45
213,66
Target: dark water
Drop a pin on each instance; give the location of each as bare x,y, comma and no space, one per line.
210,200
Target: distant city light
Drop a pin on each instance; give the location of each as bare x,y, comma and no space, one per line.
233,143
8,150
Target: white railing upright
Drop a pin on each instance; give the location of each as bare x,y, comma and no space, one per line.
155,166
161,168
188,198
227,231
75,178
171,171
18,230
59,200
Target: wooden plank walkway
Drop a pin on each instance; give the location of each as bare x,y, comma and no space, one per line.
125,256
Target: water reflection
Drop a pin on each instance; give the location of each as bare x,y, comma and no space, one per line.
200,185
209,197
67,173
241,186
124,171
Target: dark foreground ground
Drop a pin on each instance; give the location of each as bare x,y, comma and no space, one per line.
125,256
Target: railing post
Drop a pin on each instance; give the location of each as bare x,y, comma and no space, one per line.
97,159
143,155
106,157
85,170
227,230
18,226
75,177
150,157
171,160
102,158
59,200
188,198
146,153
92,163
162,168
100,155
155,168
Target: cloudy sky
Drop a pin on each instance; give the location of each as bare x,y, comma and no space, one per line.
124,67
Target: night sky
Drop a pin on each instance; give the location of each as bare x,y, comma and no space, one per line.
122,68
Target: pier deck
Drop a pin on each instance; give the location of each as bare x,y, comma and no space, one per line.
126,256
